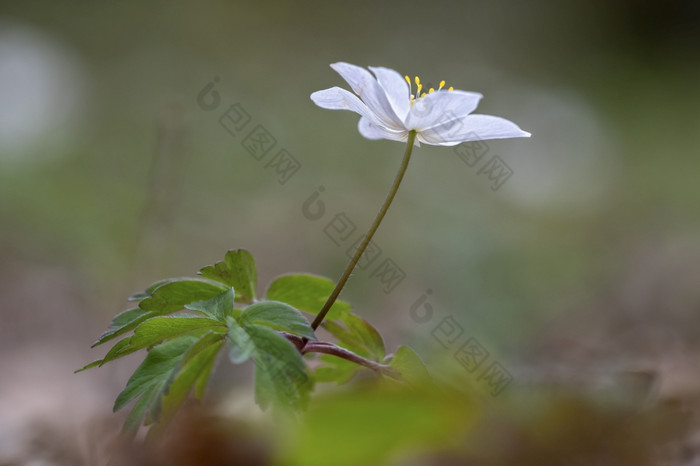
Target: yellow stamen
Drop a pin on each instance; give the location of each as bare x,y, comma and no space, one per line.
408,80
419,88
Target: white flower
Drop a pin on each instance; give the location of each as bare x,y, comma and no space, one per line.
389,111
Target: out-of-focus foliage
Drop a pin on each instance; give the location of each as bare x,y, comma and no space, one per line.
183,348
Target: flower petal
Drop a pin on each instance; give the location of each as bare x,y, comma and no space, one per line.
396,89
337,98
373,131
471,128
363,83
440,107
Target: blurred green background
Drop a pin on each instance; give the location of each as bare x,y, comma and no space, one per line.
112,176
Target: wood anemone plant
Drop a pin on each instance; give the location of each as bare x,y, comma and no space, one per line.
184,323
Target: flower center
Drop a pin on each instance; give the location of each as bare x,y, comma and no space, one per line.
419,88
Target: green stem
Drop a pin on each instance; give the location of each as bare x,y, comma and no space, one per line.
368,237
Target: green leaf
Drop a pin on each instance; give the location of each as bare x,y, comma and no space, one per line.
411,366
366,334
196,364
138,412
218,307
357,335
97,363
278,315
155,374
281,376
149,291
200,384
124,322
335,369
158,329
166,376
124,318
175,294
152,328
120,348
383,425
241,345
237,271
306,293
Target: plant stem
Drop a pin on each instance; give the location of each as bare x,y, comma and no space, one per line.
335,350
325,347
368,237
